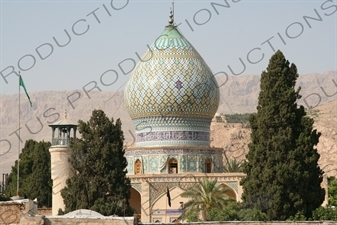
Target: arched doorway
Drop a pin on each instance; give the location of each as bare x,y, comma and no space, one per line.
173,166
138,167
135,202
231,193
208,165
160,210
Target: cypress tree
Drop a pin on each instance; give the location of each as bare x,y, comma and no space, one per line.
283,177
35,180
100,181
40,185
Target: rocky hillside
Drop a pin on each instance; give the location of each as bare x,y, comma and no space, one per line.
325,117
234,139
238,95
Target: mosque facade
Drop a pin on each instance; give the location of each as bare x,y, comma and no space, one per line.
172,97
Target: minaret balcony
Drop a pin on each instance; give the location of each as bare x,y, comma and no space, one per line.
60,141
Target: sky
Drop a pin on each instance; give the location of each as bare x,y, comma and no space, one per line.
235,37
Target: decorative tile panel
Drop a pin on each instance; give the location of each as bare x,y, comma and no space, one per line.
172,135
192,163
233,184
182,164
154,164
130,165
162,161
217,164
201,163
157,189
145,164
172,152
138,187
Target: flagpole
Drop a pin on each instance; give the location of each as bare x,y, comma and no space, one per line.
18,175
21,83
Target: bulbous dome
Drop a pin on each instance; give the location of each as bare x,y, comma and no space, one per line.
172,94
171,80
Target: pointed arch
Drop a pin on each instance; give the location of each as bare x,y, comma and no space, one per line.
231,192
161,202
208,165
172,165
135,201
138,167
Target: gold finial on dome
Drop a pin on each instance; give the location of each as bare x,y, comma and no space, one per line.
171,20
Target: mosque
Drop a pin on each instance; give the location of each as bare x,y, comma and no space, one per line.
172,97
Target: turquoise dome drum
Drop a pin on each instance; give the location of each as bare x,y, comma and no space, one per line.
172,94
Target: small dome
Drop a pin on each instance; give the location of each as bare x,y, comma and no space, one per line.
172,80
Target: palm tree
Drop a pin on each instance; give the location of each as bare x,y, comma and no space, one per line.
205,196
232,165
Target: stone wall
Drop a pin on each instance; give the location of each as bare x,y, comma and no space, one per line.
251,223
90,221
25,213
31,220
10,212
44,211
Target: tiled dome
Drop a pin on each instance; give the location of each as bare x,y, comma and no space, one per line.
172,89
173,80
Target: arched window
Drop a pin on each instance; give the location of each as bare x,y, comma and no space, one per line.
208,165
138,167
173,166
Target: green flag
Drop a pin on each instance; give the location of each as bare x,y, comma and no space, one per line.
22,84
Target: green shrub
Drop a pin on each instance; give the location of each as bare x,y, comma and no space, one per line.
230,213
192,216
298,217
252,215
323,213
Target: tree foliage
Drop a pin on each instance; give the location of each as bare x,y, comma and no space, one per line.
100,181
252,215
34,174
325,213
204,196
4,198
191,216
332,191
234,212
283,177
229,213
237,118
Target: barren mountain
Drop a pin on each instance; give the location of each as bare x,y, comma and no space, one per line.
234,139
238,95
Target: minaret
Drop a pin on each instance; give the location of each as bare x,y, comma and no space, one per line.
60,151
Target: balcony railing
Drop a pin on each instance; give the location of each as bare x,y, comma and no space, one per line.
60,141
